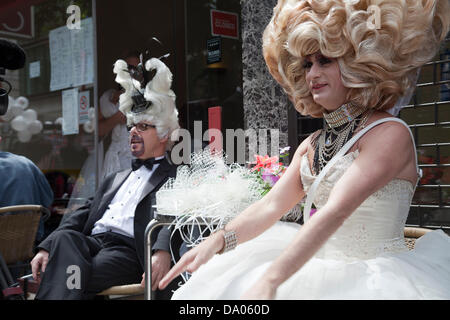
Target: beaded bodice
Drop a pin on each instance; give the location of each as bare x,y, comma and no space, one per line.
375,227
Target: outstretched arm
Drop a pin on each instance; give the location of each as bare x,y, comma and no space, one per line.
254,220
383,156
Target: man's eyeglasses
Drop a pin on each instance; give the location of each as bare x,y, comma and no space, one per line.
140,126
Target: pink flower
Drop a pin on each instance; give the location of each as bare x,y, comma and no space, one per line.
269,177
269,169
265,162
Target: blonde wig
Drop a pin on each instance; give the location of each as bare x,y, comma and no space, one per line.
378,44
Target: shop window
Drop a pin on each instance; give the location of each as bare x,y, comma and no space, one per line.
60,157
214,63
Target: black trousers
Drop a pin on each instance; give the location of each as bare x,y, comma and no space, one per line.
80,266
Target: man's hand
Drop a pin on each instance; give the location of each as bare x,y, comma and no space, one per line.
39,262
120,117
115,95
160,267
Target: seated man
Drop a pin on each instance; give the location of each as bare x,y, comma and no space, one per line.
102,243
22,182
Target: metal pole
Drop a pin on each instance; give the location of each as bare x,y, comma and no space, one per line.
95,98
148,255
160,220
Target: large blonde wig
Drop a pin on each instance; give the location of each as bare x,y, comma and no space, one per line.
379,44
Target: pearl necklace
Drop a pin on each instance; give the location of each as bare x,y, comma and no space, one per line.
339,127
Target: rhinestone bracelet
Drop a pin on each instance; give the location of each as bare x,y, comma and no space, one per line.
230,241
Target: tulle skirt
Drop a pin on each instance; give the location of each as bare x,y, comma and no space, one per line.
422,273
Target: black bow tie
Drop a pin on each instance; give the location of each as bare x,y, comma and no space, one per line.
148,163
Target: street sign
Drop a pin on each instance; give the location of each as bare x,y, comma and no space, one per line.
83,107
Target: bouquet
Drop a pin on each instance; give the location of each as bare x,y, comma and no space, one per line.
269,170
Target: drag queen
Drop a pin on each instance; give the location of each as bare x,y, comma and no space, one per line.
360,171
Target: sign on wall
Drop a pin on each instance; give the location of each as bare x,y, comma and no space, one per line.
70,111
72,56
83,107
214,50
17,22
225,24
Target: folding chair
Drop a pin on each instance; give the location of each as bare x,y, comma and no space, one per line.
18,228
412,234
125,292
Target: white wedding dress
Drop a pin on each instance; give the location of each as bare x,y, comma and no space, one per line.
365,259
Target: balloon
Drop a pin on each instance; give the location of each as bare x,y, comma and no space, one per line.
19,123
24,136
22,102
91,113
30,115
88,127
15,110
35,127
59,121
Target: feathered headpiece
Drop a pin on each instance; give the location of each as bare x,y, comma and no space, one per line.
147,95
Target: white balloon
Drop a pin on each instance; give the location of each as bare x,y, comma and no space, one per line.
19,123
22,102
30,115
88,127
35,127
24,136
91,113
59,121
15,110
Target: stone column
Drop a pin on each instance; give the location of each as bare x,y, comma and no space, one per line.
265,103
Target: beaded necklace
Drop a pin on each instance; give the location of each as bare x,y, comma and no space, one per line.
339,127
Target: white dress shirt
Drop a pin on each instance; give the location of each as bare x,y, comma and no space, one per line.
119,215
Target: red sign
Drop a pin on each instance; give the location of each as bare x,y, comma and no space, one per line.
225,24
215,127
17,22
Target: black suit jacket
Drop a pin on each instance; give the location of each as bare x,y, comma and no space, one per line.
84,218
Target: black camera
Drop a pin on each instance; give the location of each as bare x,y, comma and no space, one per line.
12,57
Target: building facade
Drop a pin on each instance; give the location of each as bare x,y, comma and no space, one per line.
215,49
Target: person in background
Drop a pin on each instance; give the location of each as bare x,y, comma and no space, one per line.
21,181
111,120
